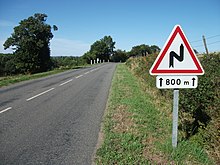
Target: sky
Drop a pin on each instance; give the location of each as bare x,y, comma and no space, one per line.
129,22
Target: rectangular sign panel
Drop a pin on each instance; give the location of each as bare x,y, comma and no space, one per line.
168,82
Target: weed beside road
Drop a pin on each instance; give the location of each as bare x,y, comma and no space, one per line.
4,81
137,127
7,80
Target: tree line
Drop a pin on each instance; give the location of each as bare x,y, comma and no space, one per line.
31,44
103,49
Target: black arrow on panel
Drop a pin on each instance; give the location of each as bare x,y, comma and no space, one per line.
193,81
178,57
161,82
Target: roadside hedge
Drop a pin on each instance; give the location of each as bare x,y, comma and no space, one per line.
7,64
199,109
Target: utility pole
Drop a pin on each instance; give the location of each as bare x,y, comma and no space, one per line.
204,41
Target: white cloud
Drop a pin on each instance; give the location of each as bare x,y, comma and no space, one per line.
66,47
59,47
9,50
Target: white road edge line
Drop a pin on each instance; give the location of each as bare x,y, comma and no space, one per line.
4,110
66,82
79,76
40,94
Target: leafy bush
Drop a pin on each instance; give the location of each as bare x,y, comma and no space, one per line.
67,61
7,65
199,108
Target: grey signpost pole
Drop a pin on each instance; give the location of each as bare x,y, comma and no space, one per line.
176,67
175,117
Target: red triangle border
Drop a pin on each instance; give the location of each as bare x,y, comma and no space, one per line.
156,71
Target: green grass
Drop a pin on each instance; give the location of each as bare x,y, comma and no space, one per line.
5,81
137,127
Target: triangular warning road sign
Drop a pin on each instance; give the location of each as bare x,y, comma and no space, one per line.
177,57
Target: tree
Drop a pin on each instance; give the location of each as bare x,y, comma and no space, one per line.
119,56
154,49
110,44
101,49
7,65
88,56
143,50
140,50
30,40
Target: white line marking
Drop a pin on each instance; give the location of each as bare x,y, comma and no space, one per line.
66,82
4,110
87,72
79,76
40,94
90,71
95,69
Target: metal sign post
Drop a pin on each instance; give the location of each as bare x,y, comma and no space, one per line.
175,116
176,67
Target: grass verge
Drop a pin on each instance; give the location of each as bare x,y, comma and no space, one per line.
137,127
8,80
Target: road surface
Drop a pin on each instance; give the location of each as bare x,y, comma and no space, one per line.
54,120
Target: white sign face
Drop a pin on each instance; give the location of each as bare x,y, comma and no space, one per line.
177,57
169,82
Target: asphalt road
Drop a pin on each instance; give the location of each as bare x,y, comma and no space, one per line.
54,120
